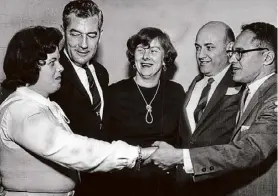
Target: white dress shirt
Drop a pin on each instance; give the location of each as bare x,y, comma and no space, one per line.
196,94
253,87
81,73
39,125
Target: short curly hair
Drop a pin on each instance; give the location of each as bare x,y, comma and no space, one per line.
145,36
82,9
265,34
26,53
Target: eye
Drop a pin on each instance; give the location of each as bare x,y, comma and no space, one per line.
154,51
92,35
75,34
140,49
198,48
209,48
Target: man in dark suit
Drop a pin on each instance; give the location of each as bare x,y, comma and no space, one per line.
84,80
247,166
214,122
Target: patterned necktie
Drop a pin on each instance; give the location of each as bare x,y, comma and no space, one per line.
242,101
93,89
203,101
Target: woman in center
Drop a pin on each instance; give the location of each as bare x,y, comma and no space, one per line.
145,108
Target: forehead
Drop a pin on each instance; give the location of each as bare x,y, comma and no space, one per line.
245,40
55,55
210,34
84,25
154,43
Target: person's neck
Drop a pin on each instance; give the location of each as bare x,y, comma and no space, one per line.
146,82
34,88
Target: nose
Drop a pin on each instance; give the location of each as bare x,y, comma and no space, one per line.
232,59
146,54
201,54
83,42
59,68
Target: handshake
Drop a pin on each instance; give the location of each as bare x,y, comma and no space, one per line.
162,154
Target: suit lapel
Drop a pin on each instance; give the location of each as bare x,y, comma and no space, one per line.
219,92
71,74
255,100
187,99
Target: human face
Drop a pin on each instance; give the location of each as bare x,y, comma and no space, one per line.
149,60
49,80
82,36
211,50
249,67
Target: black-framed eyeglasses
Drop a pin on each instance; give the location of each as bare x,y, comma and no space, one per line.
238,52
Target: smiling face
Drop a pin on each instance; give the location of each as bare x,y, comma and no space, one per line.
149,60
49,80
250,67
211,50
81,38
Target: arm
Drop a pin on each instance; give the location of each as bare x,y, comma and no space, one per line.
40,133
254,146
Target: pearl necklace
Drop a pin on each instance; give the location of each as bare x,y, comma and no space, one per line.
148,106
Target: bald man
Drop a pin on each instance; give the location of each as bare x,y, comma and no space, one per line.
212,100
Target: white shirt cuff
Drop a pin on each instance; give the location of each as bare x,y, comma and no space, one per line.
187,164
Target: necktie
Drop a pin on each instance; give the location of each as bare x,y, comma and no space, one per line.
93,89
203,101
242,101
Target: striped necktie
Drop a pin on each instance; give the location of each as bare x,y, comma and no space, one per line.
202,101
93,89
242,101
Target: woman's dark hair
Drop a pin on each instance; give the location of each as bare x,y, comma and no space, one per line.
26,52
145,36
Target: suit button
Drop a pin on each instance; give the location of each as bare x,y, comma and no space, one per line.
211,168
204,170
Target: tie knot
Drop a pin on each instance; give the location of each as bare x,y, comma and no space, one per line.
85,66
210,80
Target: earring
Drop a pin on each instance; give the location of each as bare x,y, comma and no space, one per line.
164,67
133,66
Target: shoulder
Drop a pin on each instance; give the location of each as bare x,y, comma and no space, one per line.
99,67
174,87
121,85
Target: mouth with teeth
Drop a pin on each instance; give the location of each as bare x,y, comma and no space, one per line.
143,65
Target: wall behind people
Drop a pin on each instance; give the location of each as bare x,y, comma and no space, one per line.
181,19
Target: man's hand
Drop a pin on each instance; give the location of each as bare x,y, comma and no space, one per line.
166,156
147,152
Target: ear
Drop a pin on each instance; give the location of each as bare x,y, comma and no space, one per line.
100,34
269,57
230,45
62,42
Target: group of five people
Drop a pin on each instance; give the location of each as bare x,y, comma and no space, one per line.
165,141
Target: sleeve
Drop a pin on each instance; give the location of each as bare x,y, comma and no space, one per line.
45,137
255,145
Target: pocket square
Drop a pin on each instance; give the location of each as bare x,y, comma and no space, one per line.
232,90
244,128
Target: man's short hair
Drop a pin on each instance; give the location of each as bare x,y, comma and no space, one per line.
82,9
265,34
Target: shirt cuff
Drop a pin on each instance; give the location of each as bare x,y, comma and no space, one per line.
187,163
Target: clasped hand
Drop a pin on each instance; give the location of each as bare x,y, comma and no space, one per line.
165,156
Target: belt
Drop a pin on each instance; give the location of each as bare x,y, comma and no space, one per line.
24,193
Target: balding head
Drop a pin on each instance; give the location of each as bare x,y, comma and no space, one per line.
212,41
219,28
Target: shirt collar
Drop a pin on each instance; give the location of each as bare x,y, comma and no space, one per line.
26,92
253,86
78,68
218,77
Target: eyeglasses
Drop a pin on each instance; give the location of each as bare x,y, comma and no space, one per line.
238,52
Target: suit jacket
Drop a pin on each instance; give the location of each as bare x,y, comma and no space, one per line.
219,118
74,100
215,127
247,166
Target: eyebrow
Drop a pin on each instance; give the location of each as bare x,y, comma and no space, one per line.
52,59
74,30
